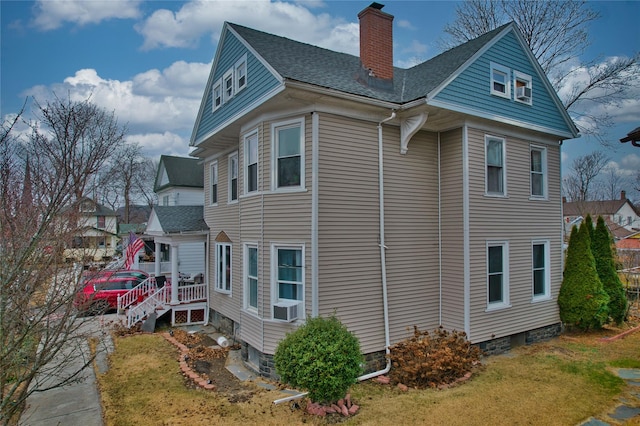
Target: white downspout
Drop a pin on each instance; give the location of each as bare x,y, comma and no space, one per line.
383,265
383,257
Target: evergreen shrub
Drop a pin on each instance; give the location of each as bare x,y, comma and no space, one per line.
603,251
582,299
322,357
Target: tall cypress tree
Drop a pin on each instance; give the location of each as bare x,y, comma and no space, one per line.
602,248
582,300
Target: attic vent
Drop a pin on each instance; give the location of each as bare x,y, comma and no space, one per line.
222,238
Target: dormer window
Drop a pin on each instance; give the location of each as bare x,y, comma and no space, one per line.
500,81
522,84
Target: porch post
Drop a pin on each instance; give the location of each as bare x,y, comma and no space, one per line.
174,274
158,255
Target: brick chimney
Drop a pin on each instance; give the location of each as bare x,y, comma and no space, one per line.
376,41
623,195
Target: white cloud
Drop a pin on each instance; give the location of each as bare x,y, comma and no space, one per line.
195,19
156,144
626,108
50,15
155,102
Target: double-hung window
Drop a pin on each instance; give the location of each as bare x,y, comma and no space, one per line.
223,267
289,272
216,95
541,273
241,74
495,165
233,177
497,274
289,154
500,81
251,276
522,85
227,85
214,182
251,163
101,222
538,172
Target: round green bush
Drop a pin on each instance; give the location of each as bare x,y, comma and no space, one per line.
321,357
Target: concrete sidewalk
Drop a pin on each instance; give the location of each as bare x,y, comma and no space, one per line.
77,403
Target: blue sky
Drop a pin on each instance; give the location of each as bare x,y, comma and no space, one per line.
149,60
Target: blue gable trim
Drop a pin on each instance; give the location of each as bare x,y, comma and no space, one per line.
260,81
470,92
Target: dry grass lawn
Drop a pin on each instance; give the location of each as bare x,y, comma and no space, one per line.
562,382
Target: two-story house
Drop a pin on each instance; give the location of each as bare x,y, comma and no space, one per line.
391,197
96,232
176,224
620,215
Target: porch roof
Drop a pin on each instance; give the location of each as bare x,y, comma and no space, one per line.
176,220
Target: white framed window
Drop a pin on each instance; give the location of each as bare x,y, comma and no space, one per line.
241,74
538,170
288,151
165,200
500,79
288,272
213,170
233,177
540,269
497,274
251,163
523,88
223,267
251,276
495,156
216,95
227,85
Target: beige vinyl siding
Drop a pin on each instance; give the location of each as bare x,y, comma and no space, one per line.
411,233
518,220
451,213
224,217
348,227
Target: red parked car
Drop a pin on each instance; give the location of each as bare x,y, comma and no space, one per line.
101,290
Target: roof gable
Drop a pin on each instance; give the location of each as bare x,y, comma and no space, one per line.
468,88
176,219
275,62
179,171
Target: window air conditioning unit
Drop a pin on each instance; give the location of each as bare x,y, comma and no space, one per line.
523,92
286,310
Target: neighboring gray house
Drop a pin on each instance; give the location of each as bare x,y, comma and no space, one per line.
391,197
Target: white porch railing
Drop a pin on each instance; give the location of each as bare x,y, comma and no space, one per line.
160,300
150,267
141,310
136,294
192,293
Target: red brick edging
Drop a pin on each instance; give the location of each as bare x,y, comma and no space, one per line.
184,366
621,335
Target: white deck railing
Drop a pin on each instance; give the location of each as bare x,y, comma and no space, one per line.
150,267
160,299
137,294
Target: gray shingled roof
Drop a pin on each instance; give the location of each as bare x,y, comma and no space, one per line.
176,219
340,71
182,171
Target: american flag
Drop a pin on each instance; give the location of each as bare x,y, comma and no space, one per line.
134,246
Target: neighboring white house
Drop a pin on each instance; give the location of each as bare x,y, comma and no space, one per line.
176,223
619,213
98,233
179,181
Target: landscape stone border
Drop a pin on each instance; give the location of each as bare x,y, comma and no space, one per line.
184,366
